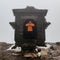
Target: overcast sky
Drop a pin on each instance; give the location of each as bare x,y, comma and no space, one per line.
6,16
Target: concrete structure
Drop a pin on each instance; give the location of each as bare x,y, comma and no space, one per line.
23,16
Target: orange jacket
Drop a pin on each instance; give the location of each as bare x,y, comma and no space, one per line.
30,26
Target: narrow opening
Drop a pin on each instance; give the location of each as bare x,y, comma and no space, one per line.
30,29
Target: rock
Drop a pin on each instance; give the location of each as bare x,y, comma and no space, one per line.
4,46
56,58
58,43
53,54
6,56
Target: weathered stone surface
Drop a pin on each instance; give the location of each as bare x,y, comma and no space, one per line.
54,54
58,43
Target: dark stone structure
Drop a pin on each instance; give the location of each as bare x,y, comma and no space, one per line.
23,16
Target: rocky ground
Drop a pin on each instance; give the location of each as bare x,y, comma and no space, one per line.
54,52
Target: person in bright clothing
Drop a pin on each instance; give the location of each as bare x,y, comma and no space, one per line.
30,26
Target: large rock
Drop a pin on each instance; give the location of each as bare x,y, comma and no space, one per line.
58,43
54,54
